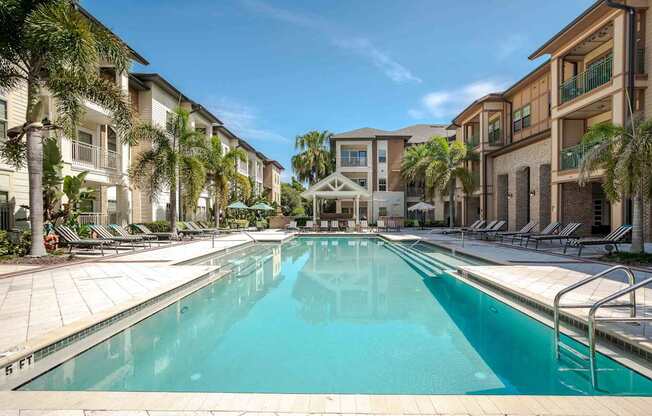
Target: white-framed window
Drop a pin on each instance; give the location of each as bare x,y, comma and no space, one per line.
517,121
382,156
3,119
382,211
382,184
527,122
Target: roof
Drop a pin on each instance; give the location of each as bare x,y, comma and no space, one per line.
494,96
420,133
536,71
135,55
363,133
275,163
204,112
549,44
335,185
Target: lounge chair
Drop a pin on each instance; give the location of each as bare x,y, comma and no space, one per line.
184,229
72,239
497,226
335,225
614,238
146,231
364,226
323,226
527,228
196,226
568,232
476,225
104,234
381,226
488,227
124,233
310,226
292,226
350,225
549,230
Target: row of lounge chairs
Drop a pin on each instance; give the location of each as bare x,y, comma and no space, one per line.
333,225
552,232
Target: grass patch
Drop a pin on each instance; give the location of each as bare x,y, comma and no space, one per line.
631,259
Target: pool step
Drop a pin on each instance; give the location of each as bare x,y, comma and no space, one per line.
573,352
430,268
420,254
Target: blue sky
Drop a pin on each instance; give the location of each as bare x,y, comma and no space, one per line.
274,69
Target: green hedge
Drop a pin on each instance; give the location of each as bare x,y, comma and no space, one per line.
158,226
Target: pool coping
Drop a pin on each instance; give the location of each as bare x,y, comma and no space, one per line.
30,352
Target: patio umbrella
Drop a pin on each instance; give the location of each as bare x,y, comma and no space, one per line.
238,205
262,207
421,206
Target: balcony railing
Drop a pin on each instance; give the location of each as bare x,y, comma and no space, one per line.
473,140
495,137
353,161
93,218
94,157
571,157
584,82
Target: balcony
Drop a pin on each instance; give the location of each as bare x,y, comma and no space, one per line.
584,82
473,140
571,157
495,138
353,161
94,157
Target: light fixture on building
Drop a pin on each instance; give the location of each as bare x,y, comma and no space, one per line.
510,195
533,193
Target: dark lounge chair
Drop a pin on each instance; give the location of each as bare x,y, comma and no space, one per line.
614,238
527,228
72,239
146,231
104,234
568,232
549,230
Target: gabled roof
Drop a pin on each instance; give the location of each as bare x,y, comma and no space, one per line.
275,163
363,133
335,185
420,133
494,96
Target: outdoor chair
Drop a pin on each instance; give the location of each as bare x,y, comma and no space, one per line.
476,225
364,226
323,226
70,238
497,226
549,230
184,229
310,226
146,231
292,226
335,225
488,227
380,225
202,228
104,234
350,225
527,228
124,233
614,238
568,232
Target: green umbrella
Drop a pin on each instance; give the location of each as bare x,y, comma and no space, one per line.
238,205
262,206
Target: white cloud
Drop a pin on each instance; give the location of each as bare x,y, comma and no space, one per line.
448,103
243,121
360,46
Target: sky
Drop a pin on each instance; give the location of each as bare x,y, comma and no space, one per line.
275,69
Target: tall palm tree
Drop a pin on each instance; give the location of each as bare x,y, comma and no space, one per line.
441,163
314,160
625,154
221,169
173,154
50,44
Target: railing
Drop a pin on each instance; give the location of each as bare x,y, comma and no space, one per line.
584,82
571,157
94,157
640,60
93,218
473,140
6,213
495,137
353,161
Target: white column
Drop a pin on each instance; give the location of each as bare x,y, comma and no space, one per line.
314,208
356,209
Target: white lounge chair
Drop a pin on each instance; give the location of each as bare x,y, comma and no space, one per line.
335,225
350,225
380,225
364,226
323,226
292,226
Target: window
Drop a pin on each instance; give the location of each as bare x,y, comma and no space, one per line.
361,181
170,121
3,119
527,122
517,120
382,156
382,184
494,131
201,130
382,211
84,137
111,139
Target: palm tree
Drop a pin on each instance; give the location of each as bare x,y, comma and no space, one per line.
625,154
314,161
173,154
441,163
50,44
221,169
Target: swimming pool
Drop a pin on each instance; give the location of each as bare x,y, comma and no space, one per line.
336,315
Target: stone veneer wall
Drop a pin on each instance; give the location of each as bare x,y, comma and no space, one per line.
533,156
576,206
545,199
502,201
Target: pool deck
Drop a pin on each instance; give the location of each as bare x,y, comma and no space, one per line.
35,305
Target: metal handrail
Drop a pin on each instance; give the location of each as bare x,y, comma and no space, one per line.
603,303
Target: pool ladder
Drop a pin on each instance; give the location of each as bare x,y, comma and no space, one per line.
593,309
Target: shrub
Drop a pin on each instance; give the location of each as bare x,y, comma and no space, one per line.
158,226
20,248
234,223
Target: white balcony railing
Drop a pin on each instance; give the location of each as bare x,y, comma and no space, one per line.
93,218
94,157
353,161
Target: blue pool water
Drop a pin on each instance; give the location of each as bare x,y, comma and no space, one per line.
335,315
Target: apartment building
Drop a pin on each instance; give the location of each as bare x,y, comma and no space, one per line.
367,182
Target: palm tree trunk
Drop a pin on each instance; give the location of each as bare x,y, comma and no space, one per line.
35,172
637,224
173,206
451,208
216,207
